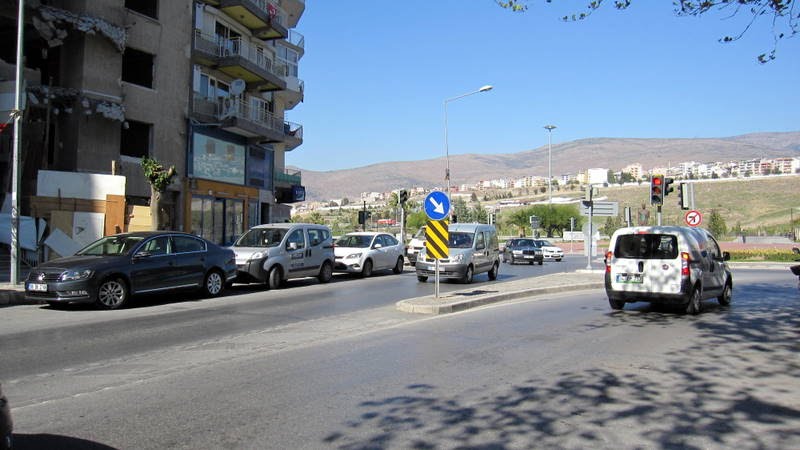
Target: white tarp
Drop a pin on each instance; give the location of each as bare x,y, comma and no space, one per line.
92,186
28,236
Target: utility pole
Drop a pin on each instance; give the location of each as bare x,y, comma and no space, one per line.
15,176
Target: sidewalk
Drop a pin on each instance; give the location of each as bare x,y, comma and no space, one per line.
11,294
483,294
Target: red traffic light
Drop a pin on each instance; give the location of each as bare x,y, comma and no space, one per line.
657,181
657,190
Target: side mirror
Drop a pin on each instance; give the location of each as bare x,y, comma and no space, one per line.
377,246
292,246
726,256
141,254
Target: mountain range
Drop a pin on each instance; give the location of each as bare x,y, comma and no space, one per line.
567,158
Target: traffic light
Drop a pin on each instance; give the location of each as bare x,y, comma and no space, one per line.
454,218
363,216
667,186
657,190
403,197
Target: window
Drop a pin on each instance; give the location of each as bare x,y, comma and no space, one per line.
157,246
297,238
259,167
480,243
315,236
290,58
137,67
147,7
135,139
647,246
186,244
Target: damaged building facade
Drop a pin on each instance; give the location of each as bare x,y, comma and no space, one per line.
200,85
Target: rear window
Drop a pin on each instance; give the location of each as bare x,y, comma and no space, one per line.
647,246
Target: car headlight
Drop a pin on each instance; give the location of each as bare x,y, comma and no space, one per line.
353,256
458,258
257,255
73,275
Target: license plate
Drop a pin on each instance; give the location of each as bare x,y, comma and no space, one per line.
528,256
39,287
629,278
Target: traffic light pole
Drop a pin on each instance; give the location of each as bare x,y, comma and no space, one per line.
658,215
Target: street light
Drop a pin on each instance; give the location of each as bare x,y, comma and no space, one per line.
549,129
446,148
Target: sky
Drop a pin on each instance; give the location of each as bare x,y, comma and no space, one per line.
378,74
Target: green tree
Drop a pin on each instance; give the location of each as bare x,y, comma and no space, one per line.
159,178
784,20
415,221
611,178
612,224
716,224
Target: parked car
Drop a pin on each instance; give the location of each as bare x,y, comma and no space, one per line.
365,252
415,246
522,250
114,268
667,264
472,248
275,253
6,424
550,252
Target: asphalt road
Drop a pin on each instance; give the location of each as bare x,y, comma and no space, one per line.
37,340
560,371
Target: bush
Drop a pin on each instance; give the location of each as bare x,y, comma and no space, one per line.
763,254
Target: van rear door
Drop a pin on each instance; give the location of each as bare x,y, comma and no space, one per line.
646,262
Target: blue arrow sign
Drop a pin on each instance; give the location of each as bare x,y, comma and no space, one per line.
437,205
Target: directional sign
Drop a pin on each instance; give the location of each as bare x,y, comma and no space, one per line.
436,237
601,209
437,205
693,218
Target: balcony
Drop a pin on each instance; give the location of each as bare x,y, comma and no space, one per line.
239,116
264,18
296,41
288,177
239,59
293,135
294,92
294,9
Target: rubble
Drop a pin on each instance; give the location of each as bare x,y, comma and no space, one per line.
51,24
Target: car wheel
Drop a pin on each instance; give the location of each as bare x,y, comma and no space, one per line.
616,304
467,278
558,260
541,262
326,272
422,278
213,285
113,293
695,305
493,272
274,278
724,299
367,269
398,268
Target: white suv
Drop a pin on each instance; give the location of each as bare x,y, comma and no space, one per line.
667,264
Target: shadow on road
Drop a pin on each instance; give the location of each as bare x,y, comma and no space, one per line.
691,397
41,441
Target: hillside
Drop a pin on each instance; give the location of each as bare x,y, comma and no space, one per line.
567,158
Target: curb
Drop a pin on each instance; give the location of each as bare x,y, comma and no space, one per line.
10,296
430,305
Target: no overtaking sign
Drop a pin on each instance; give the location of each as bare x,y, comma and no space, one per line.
693,218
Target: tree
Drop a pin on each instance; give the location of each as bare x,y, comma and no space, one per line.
785,20
159,178
716,224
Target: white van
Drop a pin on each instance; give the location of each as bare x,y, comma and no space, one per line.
473,248
274,253
666,264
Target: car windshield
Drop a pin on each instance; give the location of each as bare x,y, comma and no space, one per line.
522,243
460,240
647,246
354,241
111,245
261,237
545,244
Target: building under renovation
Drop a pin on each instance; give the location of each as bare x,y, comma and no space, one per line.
204,86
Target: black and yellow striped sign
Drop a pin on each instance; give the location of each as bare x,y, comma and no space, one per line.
436,237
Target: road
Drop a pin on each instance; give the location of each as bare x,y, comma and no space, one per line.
559,371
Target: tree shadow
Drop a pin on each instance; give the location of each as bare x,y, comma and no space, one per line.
734,384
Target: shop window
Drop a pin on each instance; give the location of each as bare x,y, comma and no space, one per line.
137,67
136,138
147,7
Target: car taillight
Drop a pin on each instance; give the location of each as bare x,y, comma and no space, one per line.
685,260
608,261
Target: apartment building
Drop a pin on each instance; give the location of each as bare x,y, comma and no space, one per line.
200,85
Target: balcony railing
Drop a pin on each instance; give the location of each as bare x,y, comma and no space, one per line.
220,47
296,39
242,109
289,176
292,129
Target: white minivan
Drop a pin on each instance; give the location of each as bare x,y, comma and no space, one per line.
666,264
473,248
274,253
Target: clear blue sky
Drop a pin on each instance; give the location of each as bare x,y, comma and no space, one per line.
377,73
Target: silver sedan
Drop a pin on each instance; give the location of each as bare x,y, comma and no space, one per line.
365,252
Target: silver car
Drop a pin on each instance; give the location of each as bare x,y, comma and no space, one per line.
365,252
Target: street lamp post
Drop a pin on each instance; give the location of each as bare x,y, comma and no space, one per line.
549,129
446,147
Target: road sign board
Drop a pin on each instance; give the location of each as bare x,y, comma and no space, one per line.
436,237
693,218
601,209
437,205
534,221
